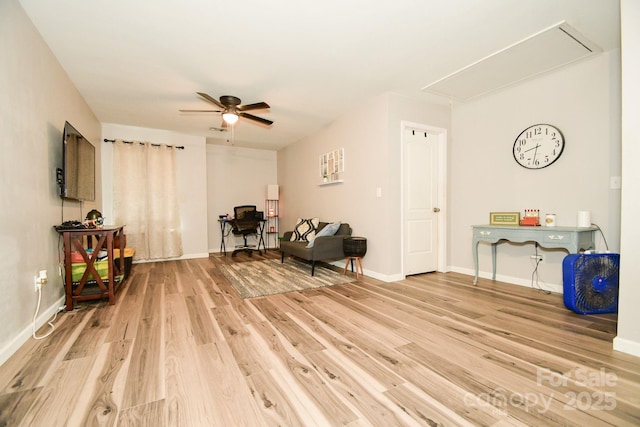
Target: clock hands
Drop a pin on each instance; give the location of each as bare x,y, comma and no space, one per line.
534,153
538,146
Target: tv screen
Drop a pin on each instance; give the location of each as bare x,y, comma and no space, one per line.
78,166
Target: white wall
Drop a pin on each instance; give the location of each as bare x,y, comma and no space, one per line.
191,180
236,176
628,339
582,100
371,137
37,98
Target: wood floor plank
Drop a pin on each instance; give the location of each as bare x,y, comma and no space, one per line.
288,389
125,325
188,401
201,322
275,406
368,402
182,348
137,283
380,378
145,379
98,402
45,357
147,415
247,353
227,387
331,406
14,407
423,408
304,343
57,399
92,336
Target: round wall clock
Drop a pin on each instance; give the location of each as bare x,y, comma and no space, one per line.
538,146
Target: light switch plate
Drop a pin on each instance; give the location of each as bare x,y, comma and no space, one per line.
615,182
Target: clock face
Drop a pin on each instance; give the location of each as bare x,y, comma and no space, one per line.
538,146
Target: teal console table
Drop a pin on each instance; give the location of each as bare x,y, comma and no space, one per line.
572,239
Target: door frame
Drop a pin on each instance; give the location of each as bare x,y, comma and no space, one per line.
442,192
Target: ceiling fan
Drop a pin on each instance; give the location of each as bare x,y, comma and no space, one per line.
231,109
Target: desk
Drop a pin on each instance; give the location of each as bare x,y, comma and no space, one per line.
228,222
223,225
572,239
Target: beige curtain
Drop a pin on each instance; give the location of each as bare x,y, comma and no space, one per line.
145,199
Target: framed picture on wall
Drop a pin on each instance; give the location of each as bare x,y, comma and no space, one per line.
323,165
332,163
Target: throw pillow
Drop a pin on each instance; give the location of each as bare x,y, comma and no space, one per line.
305,229
328,230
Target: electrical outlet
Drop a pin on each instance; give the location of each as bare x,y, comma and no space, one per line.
537,258
40,280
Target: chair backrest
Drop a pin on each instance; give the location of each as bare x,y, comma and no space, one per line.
245,219
245,212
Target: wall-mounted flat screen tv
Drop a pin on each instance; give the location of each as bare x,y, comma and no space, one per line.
78,175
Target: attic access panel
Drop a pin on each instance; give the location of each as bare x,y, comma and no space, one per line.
549,49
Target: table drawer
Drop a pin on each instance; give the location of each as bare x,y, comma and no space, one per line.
559,238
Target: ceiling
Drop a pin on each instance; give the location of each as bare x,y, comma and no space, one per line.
137,63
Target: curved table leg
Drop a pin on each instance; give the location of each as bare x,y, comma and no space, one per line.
494,251
475,258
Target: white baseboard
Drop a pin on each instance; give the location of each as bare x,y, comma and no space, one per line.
626,346
186,256
374,274
551,287
26,333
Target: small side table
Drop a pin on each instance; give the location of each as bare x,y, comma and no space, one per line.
354,249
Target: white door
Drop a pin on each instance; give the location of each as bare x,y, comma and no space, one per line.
420,210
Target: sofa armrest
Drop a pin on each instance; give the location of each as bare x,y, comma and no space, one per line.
287,236
328,247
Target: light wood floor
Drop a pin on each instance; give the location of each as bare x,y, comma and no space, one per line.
180,348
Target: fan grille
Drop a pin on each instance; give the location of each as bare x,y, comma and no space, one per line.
591,283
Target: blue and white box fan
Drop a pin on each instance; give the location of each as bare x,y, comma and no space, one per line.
591,282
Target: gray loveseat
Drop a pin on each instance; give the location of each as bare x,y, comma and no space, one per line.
324,248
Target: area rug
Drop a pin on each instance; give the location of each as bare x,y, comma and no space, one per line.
259,278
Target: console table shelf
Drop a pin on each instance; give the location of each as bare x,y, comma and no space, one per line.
93,285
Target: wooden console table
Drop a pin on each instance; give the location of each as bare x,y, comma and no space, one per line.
82,290
572,239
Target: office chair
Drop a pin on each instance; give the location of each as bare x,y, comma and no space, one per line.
245,223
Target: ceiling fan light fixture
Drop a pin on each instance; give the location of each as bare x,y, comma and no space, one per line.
230,117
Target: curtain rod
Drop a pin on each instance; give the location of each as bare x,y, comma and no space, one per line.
179,147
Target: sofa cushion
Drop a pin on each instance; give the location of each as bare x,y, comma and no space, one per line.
305,229
327,230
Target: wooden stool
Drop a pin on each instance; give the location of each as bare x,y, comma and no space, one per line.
358,260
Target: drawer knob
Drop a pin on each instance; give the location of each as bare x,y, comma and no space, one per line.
554,237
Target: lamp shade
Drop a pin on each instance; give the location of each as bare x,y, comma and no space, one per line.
230,118
273,192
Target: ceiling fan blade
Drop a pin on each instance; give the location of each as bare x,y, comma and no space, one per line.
211,100
256,106
199,111
255,118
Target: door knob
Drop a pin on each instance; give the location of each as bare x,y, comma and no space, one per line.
436,210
